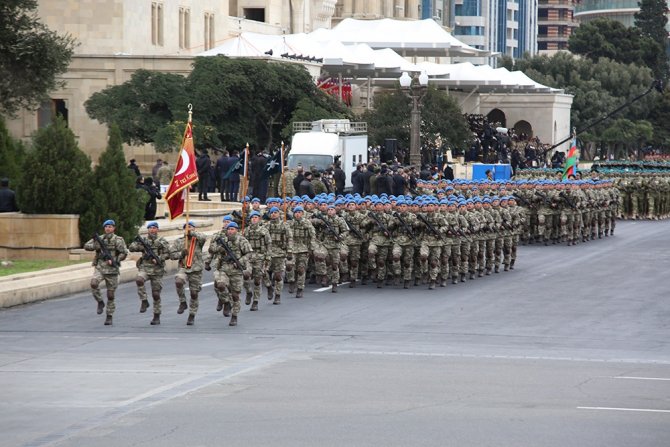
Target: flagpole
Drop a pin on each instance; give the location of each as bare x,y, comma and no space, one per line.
188,189
245,186
283,179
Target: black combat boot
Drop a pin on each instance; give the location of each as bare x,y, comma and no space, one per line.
108,320
219,305
144,305
271,293
488,271
454,279
443,283
472,276
101,307
247,299
233,321
462,277
182,307
405,284
254,306
334,289
352,284
277,299
226,309
156,320
191,320
417,280
364,281
511,264
497,269
380,283
431,286
298,294
291,287
507,267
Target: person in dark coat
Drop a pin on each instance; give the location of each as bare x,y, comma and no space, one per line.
399,183
448,171
357,180
300,176
257,169
340,179
233,177
154,193
221,171
366,179
306,188
7,198
384,183
203,164
133,167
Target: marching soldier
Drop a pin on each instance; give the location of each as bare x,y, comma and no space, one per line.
281,250
191,264
151,265
110,251
259,260
304,239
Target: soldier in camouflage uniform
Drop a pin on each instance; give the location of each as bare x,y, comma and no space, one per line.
107,269
304,238
433,224
405,240
354,239
191,264
281,250
381,243
222,297
233,266
330,232
150,268
259,260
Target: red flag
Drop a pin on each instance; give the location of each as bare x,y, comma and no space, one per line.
185,175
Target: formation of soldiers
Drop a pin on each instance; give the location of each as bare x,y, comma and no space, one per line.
644,192
454,231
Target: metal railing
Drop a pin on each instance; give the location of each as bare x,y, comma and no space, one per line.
331,126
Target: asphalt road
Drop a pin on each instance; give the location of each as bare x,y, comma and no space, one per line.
571,348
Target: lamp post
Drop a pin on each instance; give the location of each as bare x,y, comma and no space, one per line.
416,89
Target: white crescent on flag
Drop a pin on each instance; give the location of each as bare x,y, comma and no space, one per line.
184,163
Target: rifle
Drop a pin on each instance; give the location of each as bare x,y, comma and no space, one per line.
353,229
523,201
379,223
230,253
407,228
430,226
567,200
329,227
149,251
544,198
106,255
237,215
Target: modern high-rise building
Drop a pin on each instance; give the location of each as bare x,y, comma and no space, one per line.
555,24
620,10
503,26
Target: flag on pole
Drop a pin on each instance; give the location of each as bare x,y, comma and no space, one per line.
237,167
185,175
572,161
275,164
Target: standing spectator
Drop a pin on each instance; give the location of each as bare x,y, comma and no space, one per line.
257,168
340,179
7,198
213,180
448,171
133,167
233,176
164,175
202,164
366,179
223,180
357,180
384,182
306,188
399,182
154,193
154,170
298,179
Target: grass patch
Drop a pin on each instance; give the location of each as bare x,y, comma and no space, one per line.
24,266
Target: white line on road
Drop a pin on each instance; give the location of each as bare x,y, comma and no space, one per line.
641,378
207,284
323,289
642,410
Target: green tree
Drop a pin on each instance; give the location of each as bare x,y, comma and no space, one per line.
315,108
441,119
235,101
56,173
113,194
140,106
12,153
651,21
31,56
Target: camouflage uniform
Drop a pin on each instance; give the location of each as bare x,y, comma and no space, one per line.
191,274
330,241
151,270
228,275
260,240
105,272
304,238
280,249
381,244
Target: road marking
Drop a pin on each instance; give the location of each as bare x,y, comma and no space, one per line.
641,378
323,289
642,410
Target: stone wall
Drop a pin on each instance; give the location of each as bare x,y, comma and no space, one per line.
38,236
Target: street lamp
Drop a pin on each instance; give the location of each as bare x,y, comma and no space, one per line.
416,89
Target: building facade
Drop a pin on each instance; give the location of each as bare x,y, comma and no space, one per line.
555,22
620,10
502,26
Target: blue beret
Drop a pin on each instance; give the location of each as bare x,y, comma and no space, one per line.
298,209
191,223
108,222
274,209
255,199
227,218
254,213
232,225
153,224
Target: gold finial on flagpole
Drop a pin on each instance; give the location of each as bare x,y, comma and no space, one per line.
190,112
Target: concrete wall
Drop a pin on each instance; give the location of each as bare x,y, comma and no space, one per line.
38,236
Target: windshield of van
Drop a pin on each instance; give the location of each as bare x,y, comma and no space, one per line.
309,160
